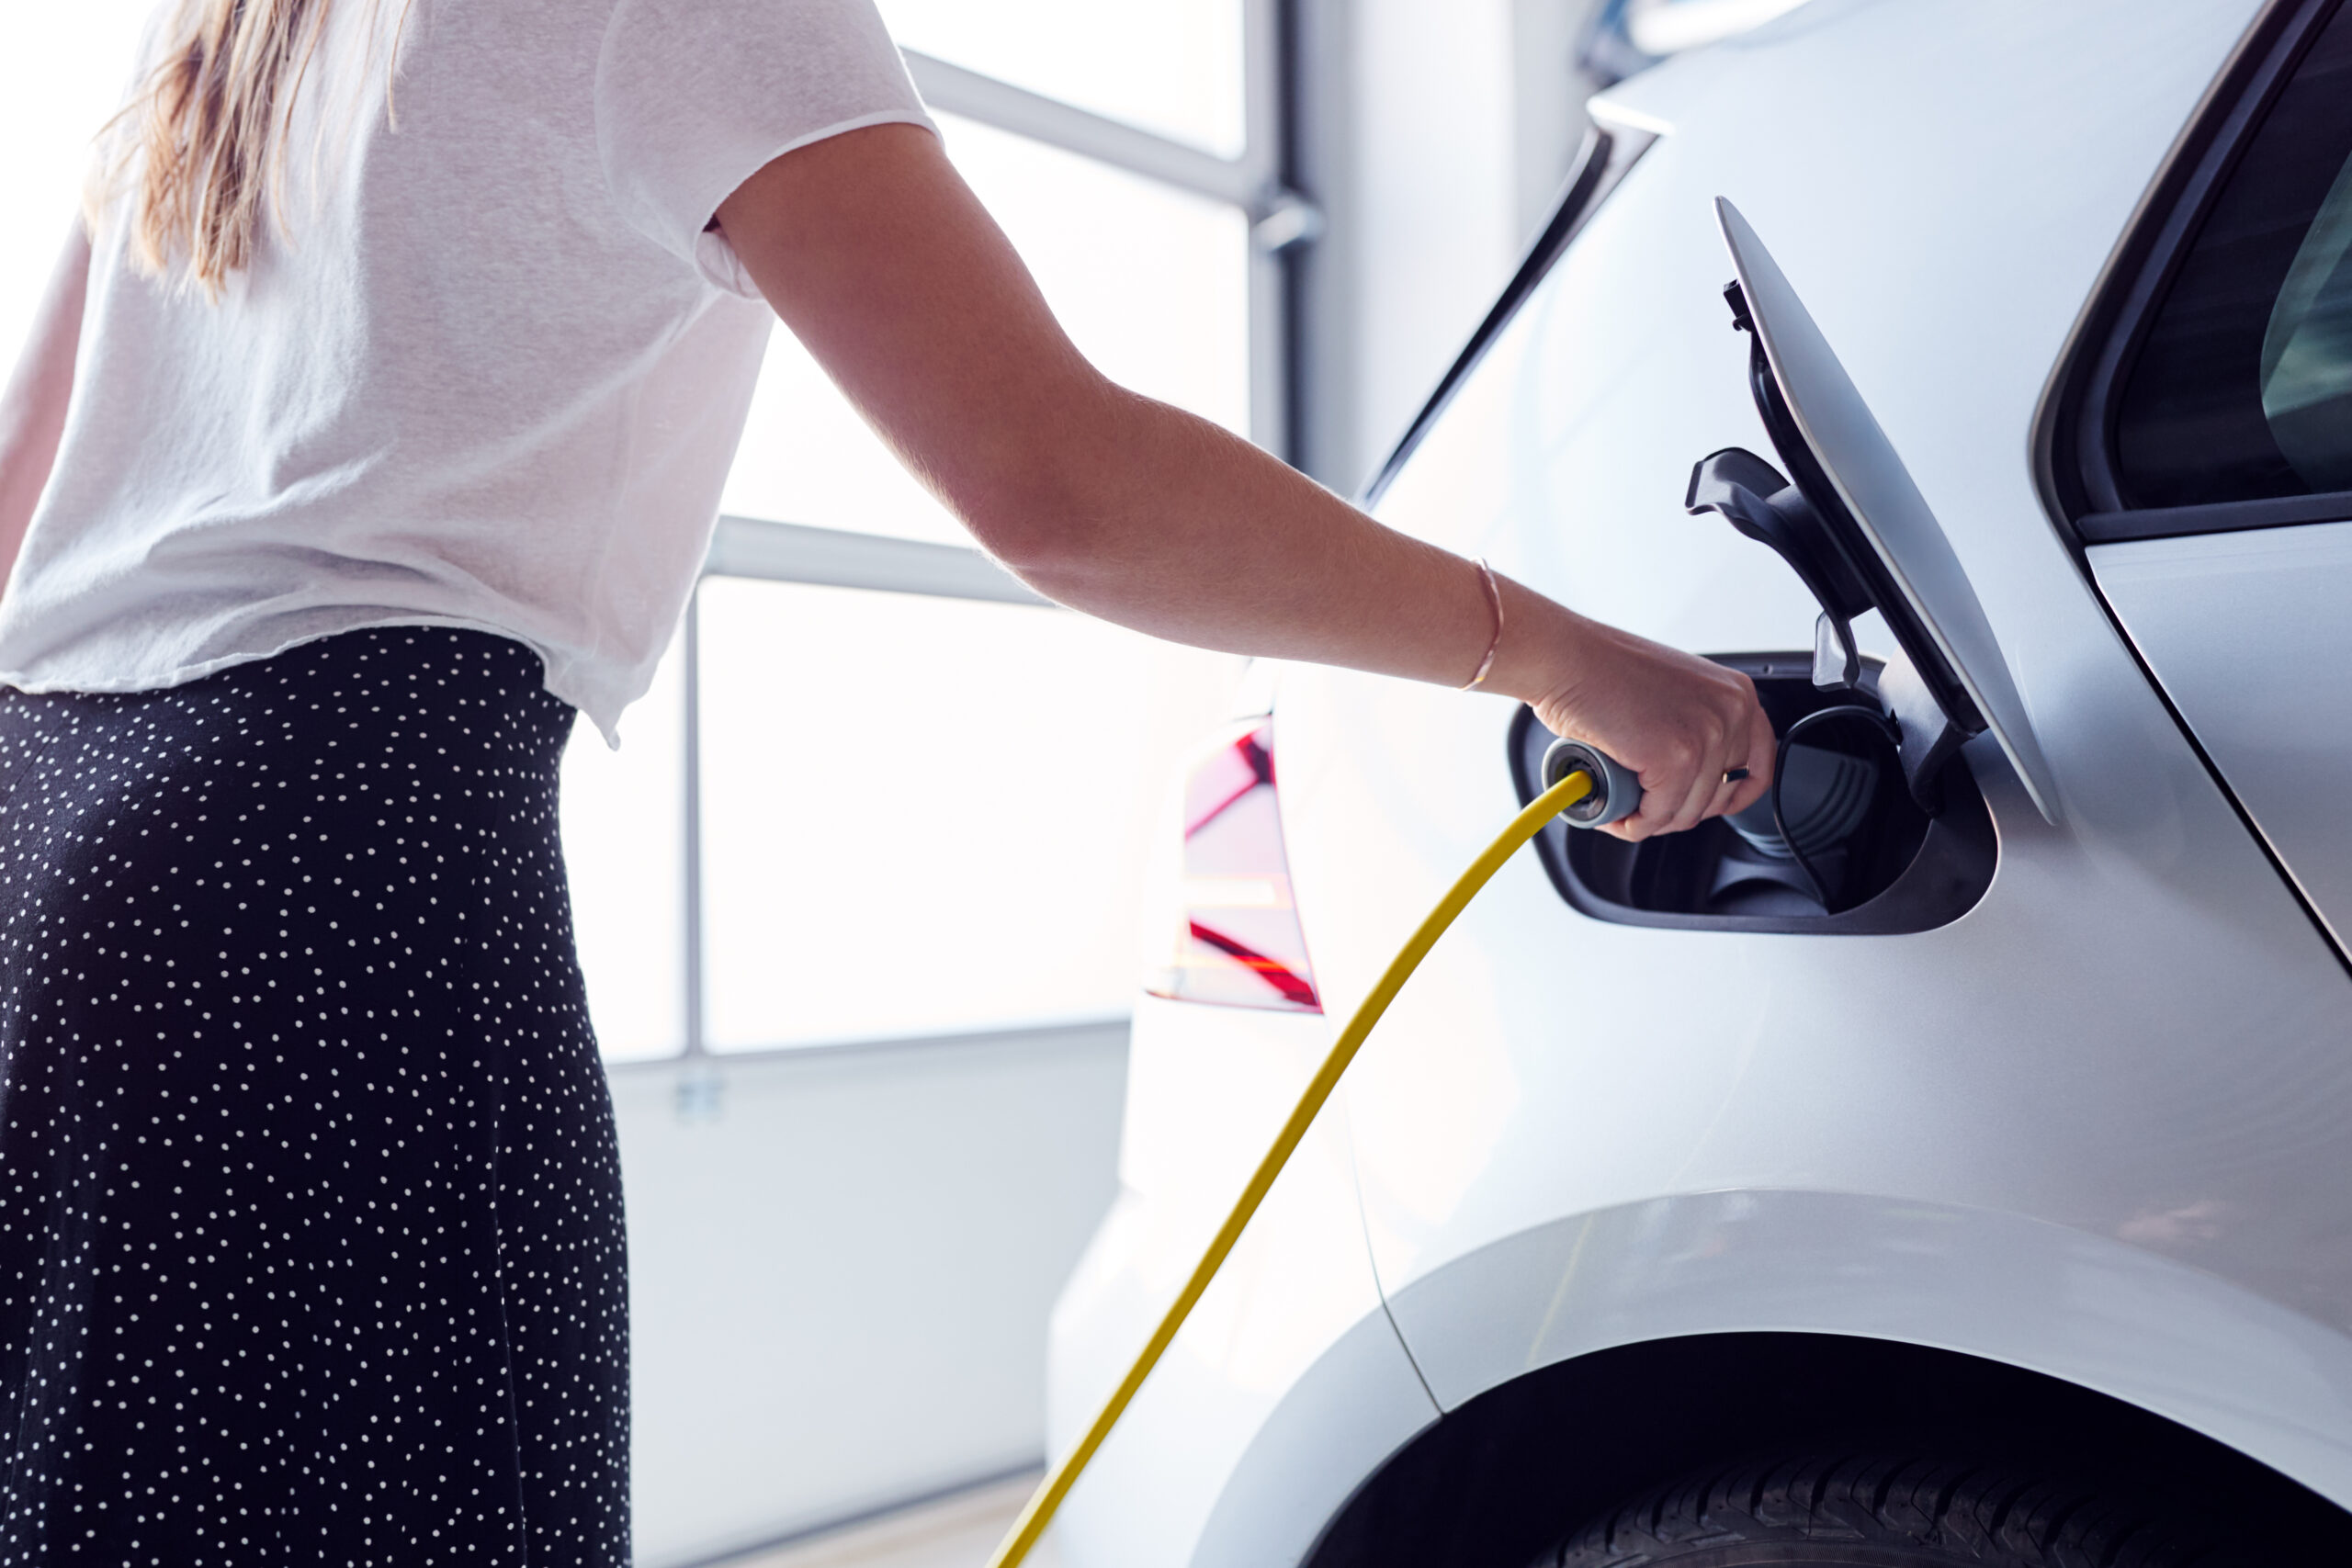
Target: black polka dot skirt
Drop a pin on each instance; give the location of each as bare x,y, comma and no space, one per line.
310,1242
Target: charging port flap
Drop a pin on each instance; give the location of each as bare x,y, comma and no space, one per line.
1852,525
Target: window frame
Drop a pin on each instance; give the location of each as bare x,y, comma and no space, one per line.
2073,447
1281,221
1609,152
1282,224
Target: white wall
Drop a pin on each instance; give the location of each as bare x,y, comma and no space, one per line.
839,1281
1436,198
1435,136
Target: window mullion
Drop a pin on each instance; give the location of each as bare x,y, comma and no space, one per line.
953,89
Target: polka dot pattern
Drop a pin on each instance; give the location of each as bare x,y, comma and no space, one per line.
310,1239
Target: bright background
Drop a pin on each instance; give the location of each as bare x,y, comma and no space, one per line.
1172,66
61,77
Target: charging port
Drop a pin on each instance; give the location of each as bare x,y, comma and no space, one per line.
1867,859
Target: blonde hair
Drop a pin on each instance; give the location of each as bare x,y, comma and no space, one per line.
205,133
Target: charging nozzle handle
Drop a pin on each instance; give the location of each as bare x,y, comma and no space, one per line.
1616,791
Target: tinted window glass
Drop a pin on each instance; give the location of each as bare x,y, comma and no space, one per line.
2244,388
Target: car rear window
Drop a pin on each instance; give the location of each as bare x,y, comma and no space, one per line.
2243,387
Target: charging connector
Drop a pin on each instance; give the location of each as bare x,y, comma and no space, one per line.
1616,792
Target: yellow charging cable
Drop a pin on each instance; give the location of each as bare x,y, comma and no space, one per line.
1048,1499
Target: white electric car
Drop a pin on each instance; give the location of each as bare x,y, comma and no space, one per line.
1960,1169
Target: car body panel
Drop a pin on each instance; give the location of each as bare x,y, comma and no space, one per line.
2102,1314
2251,635
1360,1402
1294,1325
2075,1008
2104,1105
2136,1033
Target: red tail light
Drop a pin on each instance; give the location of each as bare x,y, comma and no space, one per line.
1236,938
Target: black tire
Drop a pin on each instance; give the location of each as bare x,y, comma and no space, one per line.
1883,1513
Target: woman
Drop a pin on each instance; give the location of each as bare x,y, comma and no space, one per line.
378,424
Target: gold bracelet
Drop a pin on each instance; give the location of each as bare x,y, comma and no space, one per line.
1494,597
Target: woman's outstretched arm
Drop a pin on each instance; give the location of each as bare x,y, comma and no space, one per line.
32,410
882,262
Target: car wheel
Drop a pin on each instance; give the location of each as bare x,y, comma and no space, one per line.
1881,1513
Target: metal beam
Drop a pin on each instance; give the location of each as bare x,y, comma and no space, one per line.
1326,350
1248,183
1109,1032
1278,238
833,558
690,785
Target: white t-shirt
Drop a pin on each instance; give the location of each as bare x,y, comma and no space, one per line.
492,375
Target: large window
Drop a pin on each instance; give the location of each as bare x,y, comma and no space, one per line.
880,790
1175,67
937,832
1151,281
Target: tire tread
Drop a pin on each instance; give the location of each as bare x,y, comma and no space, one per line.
1944,1512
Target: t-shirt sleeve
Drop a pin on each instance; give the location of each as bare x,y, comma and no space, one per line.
694,96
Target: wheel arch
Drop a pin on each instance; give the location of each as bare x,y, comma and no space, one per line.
1631,1342
1501,1477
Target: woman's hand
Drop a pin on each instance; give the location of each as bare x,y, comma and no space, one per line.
1679,722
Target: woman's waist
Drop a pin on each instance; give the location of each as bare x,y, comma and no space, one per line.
461,705
111,621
